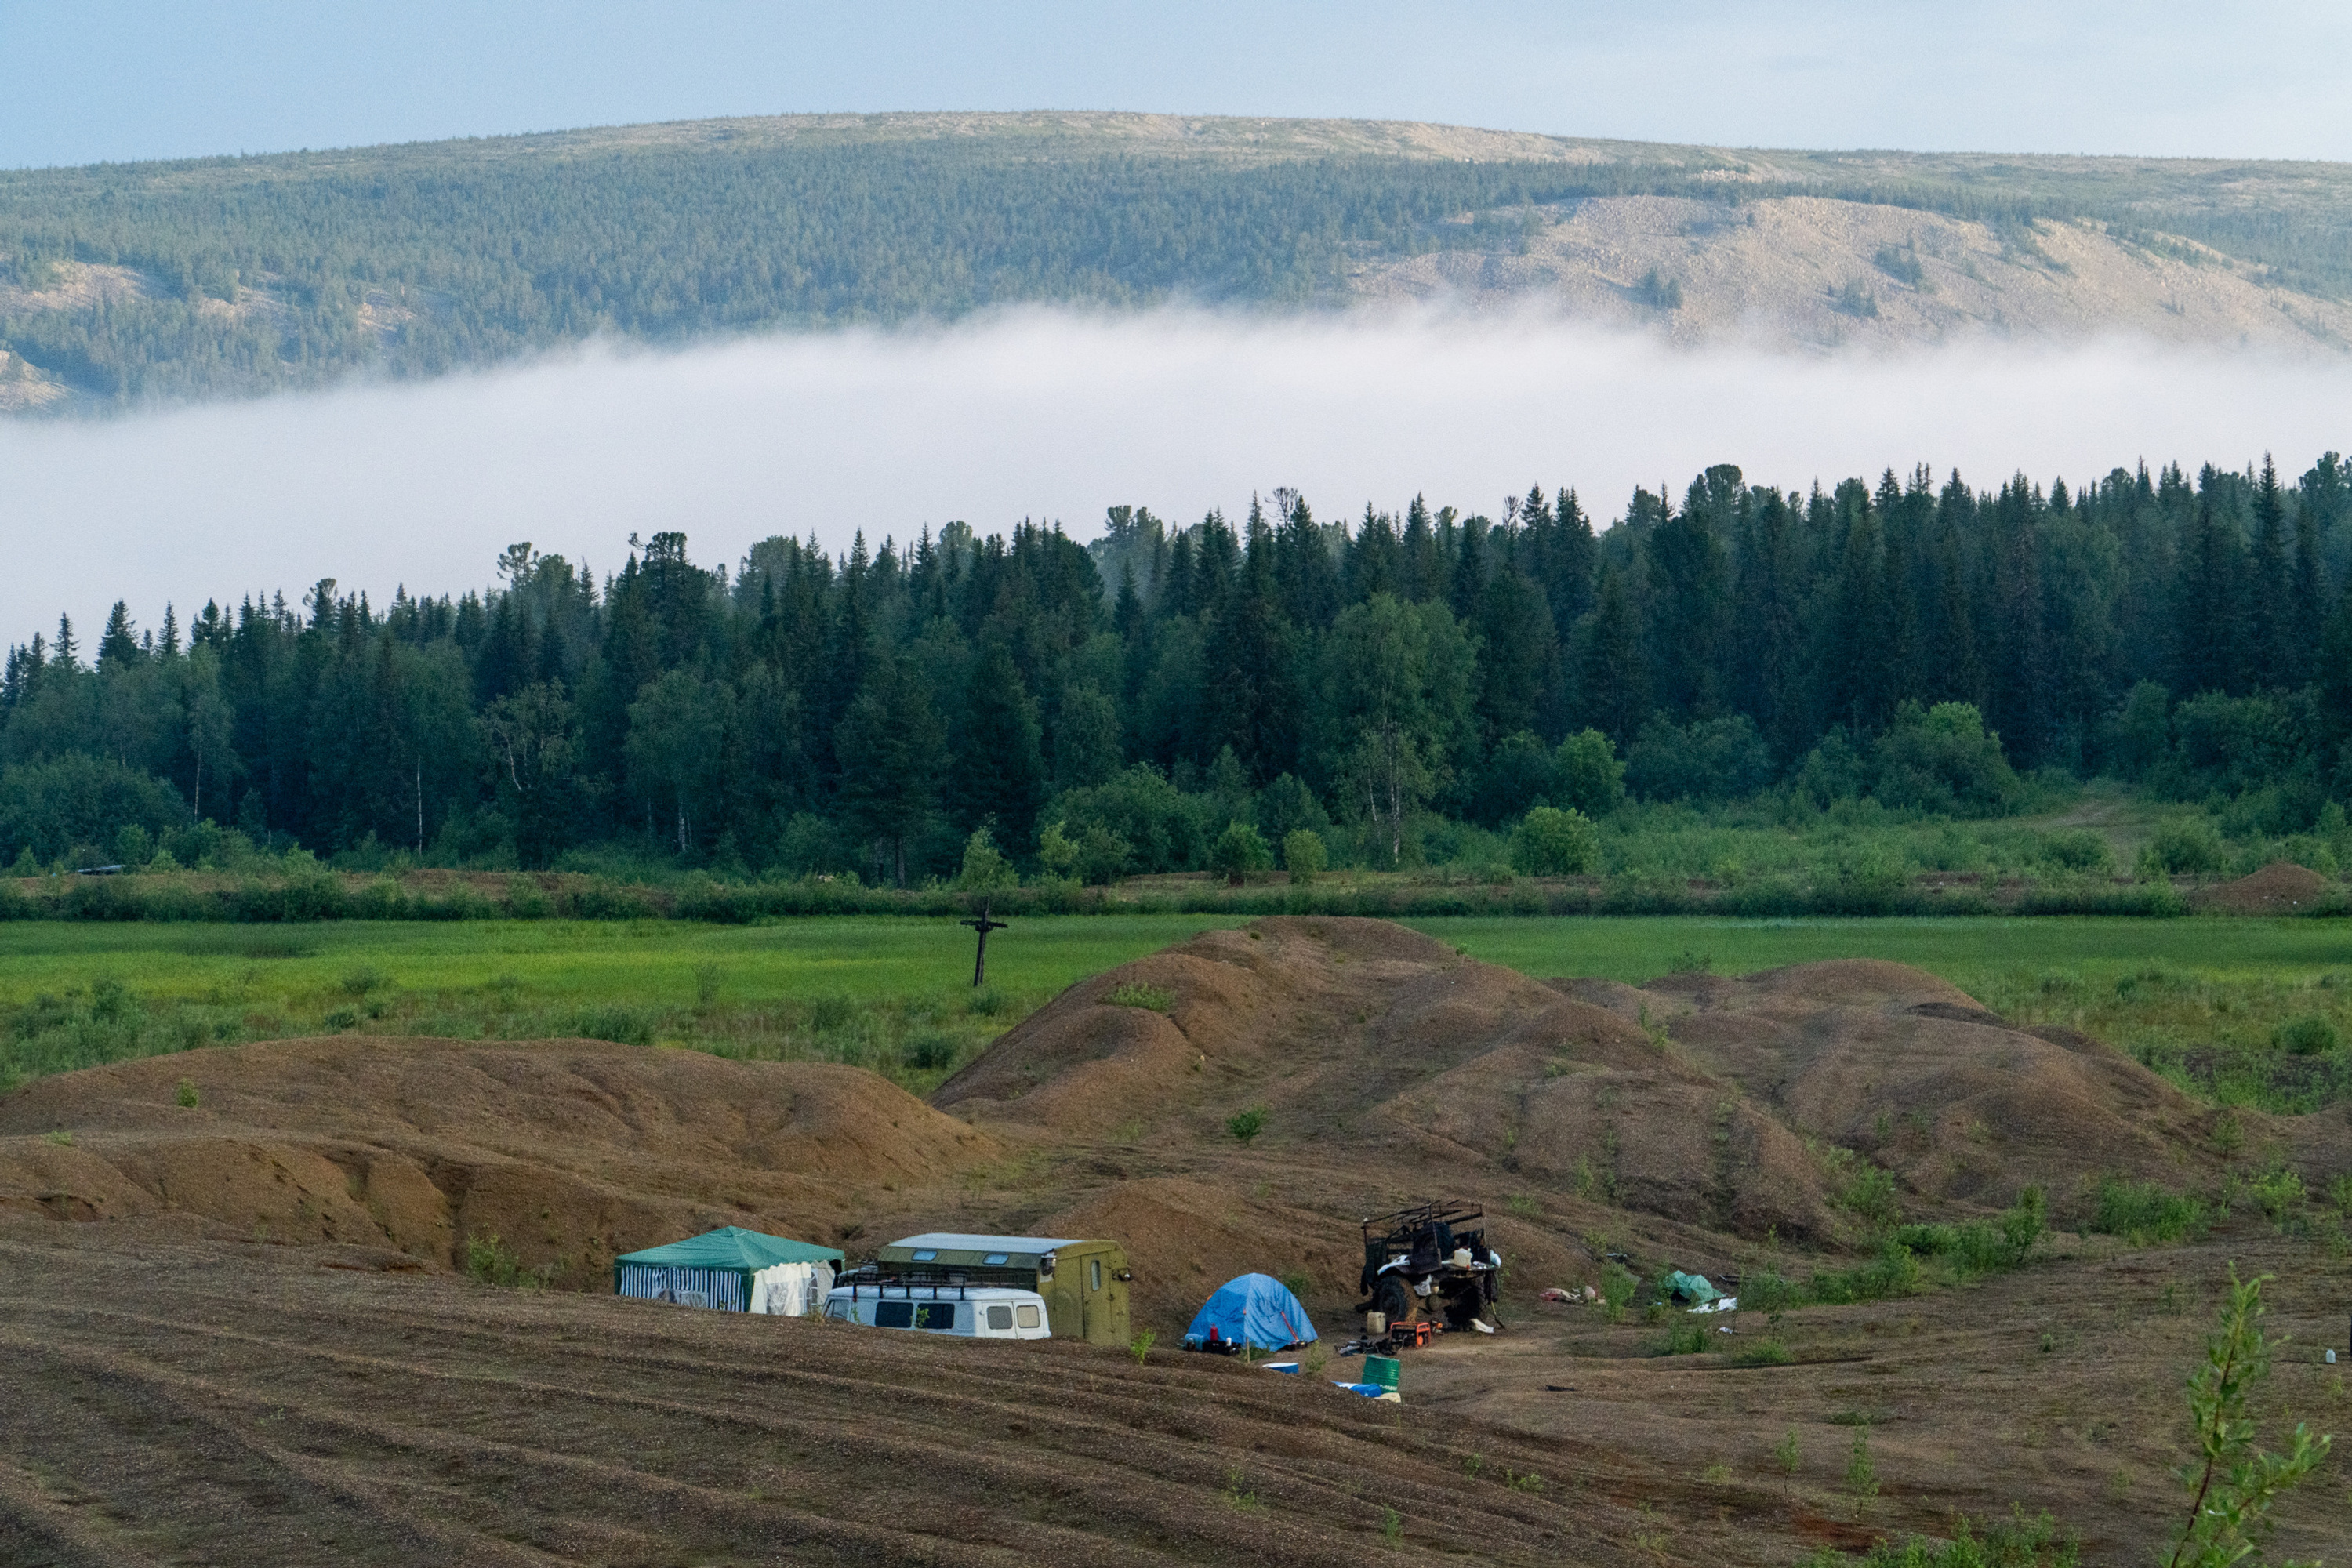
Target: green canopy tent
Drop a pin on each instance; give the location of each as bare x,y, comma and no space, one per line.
730,1269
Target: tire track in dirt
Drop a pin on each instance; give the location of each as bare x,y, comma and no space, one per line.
509,1420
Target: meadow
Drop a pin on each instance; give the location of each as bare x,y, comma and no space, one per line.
2238,1010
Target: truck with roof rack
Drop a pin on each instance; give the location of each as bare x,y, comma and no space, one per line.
1431,1261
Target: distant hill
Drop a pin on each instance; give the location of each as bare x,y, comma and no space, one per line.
232,276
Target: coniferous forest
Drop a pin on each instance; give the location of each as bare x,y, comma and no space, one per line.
1380,680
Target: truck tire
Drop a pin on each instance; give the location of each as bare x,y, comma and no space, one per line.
1395,1298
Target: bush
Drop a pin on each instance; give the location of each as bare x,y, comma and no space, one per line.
2076,849
50,808
1156,824
1247,1125
986,868
1550,842
2142,1211
1151,998
1302,856
493,1262
1587,775
611,1021
1943,759
2186,846
2312,1035
1240,854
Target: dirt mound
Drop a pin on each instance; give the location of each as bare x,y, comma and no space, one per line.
2281,888
568,1150
1396,1066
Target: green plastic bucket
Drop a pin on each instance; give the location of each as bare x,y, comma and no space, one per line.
1381,1369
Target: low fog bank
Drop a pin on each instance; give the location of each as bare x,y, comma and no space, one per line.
1054,417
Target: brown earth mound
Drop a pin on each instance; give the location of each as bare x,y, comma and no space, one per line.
568,1150
1395,1067
2281,888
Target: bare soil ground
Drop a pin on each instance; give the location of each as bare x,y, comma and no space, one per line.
233,1332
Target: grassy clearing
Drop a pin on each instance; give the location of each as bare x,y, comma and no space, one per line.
2239,1011
892,994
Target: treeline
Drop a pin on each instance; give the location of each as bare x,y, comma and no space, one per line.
1114,709
415,260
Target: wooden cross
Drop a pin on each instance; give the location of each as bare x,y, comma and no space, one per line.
984,925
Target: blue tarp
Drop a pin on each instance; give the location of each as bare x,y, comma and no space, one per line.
1252,1310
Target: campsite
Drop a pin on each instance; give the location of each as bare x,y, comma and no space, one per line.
351,1296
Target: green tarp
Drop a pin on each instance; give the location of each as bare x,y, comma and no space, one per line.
1692,1288
732,1246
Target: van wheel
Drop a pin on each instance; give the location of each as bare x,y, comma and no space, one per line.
1395,1298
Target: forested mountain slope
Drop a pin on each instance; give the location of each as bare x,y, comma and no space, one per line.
240,275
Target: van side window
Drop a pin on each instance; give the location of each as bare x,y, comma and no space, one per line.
999,1317
894,1314
935,1315
1028,1316
1094,1275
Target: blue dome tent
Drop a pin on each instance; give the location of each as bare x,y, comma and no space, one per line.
1253,1311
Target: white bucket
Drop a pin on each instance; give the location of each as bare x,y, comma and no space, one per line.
1375,1324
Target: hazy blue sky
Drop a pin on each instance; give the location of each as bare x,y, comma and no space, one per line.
135,79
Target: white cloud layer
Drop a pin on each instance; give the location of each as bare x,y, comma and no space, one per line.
1053,416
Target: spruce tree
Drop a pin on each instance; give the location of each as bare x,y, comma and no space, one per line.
998,776
2270,605
1613,693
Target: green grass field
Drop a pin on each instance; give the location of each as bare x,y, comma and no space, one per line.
2223,1007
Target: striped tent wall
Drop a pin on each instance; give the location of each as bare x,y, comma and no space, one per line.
722,1289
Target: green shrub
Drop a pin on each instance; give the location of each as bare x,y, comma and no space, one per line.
1550,842
1247,1125
1869,1195
929,1050
187,1094
1151,998
1240,854
2310,1034
1302,856
612,1021
365,978
2278,1193
2143,1212
1587,775
2233,1490
985,869
2186,847
2077,849
493,1262
1684,1336
2016,1543
1617,1286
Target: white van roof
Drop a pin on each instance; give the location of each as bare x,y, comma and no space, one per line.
953,1241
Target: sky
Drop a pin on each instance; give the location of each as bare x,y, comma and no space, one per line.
115,80
1054,417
